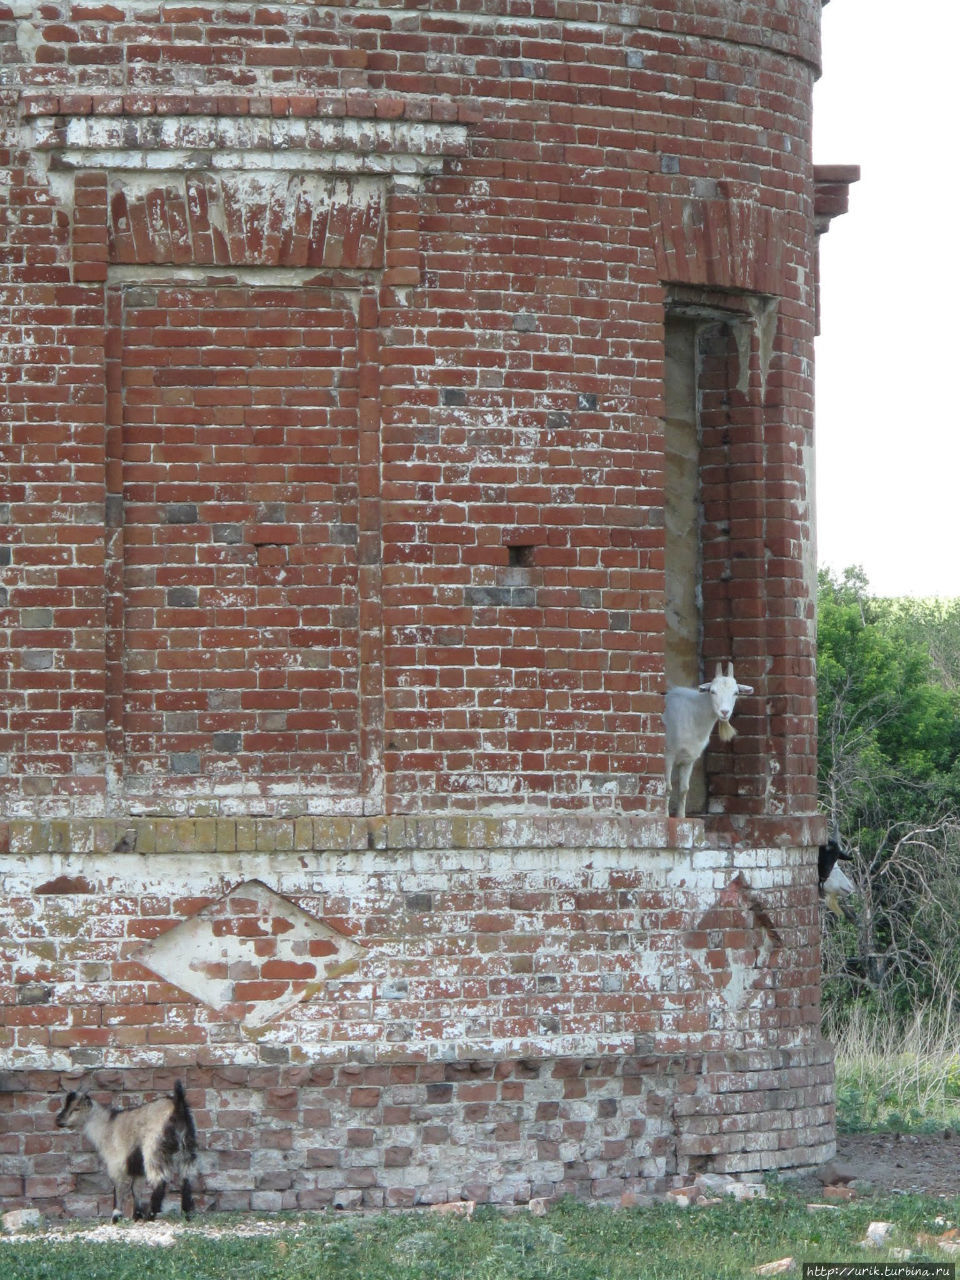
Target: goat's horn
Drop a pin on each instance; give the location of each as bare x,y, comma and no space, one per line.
719,672
730,670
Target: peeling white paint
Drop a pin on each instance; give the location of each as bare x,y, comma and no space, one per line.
205,957
29,40
192,143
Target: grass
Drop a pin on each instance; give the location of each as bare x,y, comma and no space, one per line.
574,1242
903,1078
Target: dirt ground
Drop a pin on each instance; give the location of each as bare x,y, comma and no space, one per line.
892,1162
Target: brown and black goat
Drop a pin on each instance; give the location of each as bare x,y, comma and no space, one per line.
149,1145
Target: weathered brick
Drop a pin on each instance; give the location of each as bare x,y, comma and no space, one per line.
335,553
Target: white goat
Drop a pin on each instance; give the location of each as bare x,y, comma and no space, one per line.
151,1143
689,718
834,884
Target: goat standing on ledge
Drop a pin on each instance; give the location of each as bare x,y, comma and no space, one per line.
689,719
154,1143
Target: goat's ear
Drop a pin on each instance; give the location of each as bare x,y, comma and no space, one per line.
704,688
744,688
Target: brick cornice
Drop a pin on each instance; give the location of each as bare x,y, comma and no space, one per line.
187,142
346,104
832,183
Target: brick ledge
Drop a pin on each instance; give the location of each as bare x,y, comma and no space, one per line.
430,831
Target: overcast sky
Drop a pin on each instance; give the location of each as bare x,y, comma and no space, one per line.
888,448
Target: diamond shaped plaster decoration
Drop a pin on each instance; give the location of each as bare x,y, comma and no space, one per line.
733,943
252,953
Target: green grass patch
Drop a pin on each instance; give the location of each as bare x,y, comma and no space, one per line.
902,1078
871,1099
574,1242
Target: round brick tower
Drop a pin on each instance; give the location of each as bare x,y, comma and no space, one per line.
396,399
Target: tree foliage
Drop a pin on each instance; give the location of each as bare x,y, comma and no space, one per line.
889,772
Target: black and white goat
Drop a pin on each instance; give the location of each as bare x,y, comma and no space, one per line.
689,719
151,1144
833,884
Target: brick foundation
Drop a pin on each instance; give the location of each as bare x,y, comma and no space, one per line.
515,1016
408,1134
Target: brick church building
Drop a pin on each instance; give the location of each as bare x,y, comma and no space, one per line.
394,399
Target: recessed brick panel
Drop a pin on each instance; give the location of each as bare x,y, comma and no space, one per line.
240,532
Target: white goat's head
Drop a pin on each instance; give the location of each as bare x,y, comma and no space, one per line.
723,691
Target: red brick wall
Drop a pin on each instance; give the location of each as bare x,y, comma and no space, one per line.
332,508
509,199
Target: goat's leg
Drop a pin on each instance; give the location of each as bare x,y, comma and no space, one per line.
117,1202
137,1202
156,1199
683,787
186,1198
669,772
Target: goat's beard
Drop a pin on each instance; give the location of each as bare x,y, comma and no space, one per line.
726,730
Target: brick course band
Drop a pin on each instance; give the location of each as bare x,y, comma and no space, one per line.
425,831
